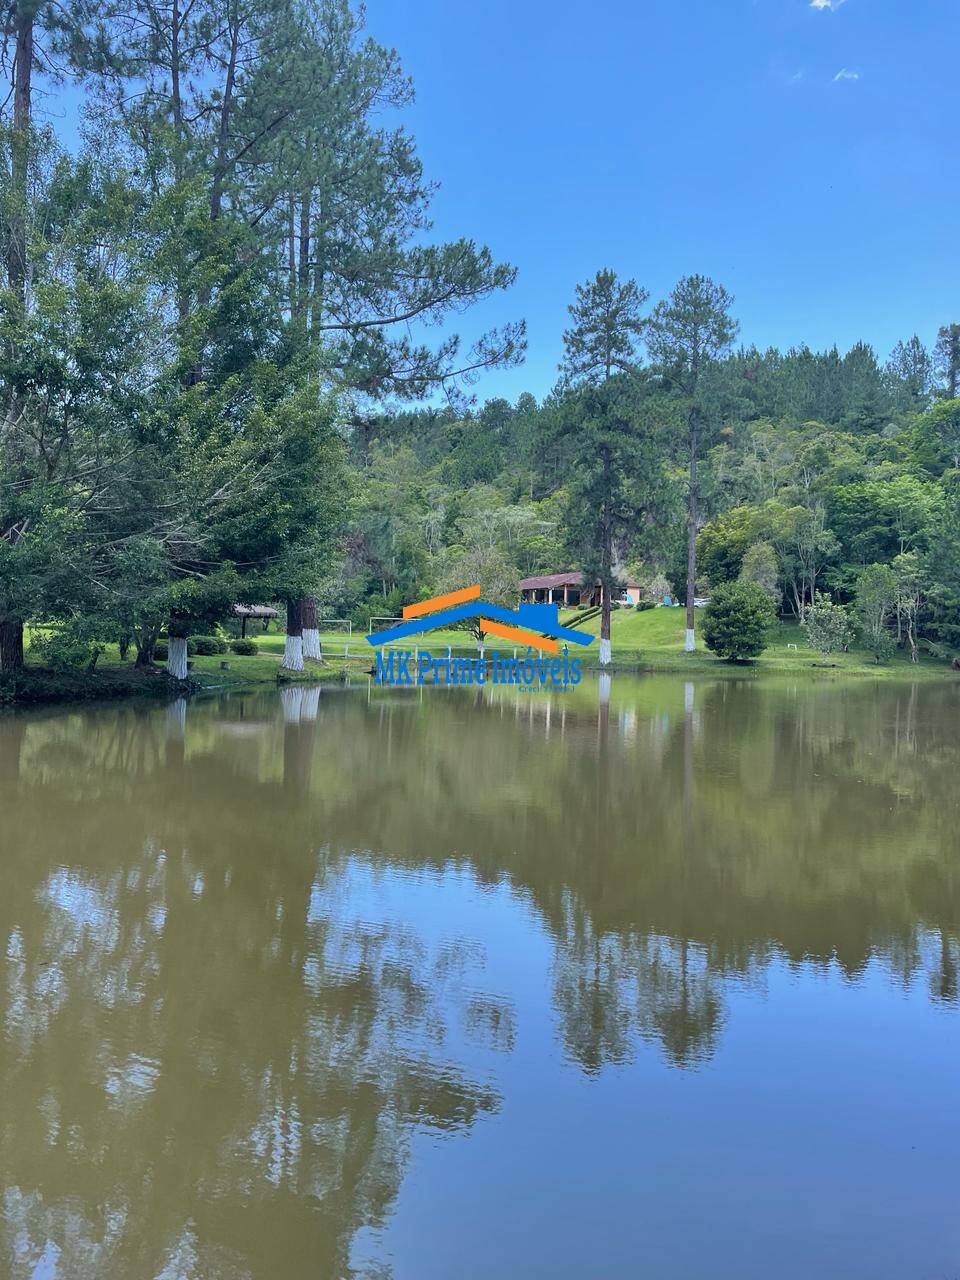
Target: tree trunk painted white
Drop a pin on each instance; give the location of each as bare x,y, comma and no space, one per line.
311,643
177,718
605,653
693,497
177,657
291,700
293,653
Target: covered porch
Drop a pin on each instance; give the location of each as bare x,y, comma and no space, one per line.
564,589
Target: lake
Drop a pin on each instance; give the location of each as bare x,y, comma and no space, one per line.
650,978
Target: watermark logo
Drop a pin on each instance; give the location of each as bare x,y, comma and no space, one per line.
535,627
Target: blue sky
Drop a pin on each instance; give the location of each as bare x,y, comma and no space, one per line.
804,155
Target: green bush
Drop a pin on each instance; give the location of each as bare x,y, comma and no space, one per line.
828,626
246,648
32,686
162,649
643,605
207,646
737,621
62,653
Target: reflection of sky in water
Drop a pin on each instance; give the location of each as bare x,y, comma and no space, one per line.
642,979
83,903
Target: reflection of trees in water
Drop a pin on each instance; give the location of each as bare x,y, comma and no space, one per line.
202,1062
610,989
740,821
162,883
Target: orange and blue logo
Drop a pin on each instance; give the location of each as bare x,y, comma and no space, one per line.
534,626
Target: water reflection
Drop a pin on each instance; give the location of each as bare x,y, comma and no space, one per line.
244,964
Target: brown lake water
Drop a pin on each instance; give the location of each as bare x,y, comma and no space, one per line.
648,979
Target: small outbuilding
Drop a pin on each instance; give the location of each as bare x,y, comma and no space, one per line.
259,612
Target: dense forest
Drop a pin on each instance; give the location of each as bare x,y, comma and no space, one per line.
221,379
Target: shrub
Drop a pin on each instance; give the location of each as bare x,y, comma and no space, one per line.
737,621
162,649
875,602
644,605
246,648
207,646
62,653
828,626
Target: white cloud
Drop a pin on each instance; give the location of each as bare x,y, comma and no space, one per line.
796,77
844,74
832,5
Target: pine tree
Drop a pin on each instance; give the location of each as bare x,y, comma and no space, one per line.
607,326
687,333
601,344
947,359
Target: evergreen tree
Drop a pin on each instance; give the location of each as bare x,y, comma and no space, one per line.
616,464
910,374
687,333
601,344
947,359
607,327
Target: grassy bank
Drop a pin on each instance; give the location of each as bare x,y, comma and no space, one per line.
653,641
114,678
646,642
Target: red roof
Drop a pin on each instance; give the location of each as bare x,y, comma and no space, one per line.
569,579
572,578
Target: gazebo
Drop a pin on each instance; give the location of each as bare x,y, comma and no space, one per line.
262,612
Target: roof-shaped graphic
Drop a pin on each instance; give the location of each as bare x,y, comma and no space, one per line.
535,625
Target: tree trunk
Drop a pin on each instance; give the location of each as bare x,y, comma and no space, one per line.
690,639
311,635
177,647
146,646
606,564
20,148
606,648
303,253
293,649
11,645
17,275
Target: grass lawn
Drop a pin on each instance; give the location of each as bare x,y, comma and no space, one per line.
651,640
115,678
648,641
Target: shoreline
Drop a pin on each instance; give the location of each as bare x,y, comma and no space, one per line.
37,687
